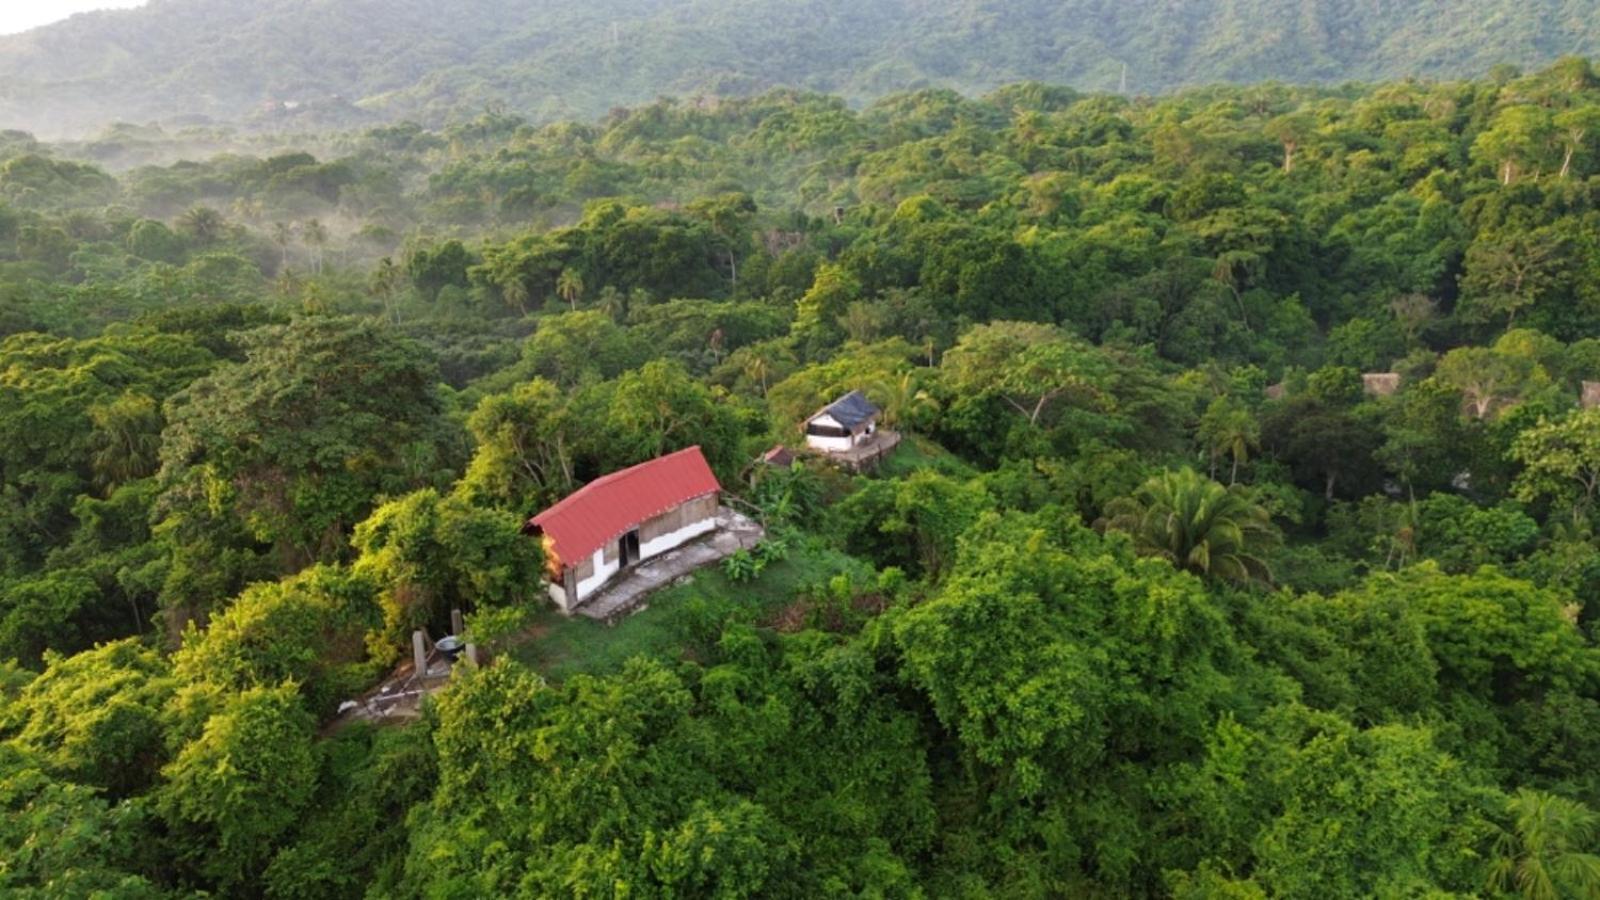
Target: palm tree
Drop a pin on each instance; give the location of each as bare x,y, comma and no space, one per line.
1228,429
315,234
1197,525
516,293
127,440
204,224
903,399
757,367
613,303
569,286
1544,855
385,285
247,209
283,236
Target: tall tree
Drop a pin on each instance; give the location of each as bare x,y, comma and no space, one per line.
569,287
1575,126
235,790
1228,429
1561,462
1491,382
1031,368
127,440
1517,140
1198,525
1507,273
295,442
283,236
1290,130
204,224
315,235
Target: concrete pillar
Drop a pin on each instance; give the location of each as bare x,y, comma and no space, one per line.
419,652
457,626
472,655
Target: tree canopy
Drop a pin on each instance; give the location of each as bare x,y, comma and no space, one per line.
1239,540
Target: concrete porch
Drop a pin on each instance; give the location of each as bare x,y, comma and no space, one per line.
628,591
865,455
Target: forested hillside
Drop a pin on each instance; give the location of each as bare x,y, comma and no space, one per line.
1242,544
294,63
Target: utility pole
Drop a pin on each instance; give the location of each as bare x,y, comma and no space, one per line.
1124,88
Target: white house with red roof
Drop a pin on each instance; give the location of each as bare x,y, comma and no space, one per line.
616,521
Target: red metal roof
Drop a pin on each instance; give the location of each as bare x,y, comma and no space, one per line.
608,507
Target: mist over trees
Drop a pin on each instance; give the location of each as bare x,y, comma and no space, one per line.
292,65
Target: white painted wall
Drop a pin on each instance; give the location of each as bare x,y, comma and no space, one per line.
819,442
836,444
822,442
602,574
672,539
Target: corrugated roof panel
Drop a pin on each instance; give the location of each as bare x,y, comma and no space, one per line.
608,507
852,409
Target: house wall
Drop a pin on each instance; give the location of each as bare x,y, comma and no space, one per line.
824,441
564,589
678,525
685,514
676,538
672,528
600,572
818,442
859,435
558,595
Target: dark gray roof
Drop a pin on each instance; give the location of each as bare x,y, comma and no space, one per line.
851,410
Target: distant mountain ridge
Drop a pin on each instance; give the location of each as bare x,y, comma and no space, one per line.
345,61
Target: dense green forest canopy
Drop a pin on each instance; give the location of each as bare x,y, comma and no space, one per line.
1242,543
316,63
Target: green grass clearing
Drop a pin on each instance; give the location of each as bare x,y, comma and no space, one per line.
680,615
917,452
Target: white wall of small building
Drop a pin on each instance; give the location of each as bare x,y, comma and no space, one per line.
672,539
819,442
602,574
824,442
604,571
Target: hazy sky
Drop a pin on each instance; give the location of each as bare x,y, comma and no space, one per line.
20,15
